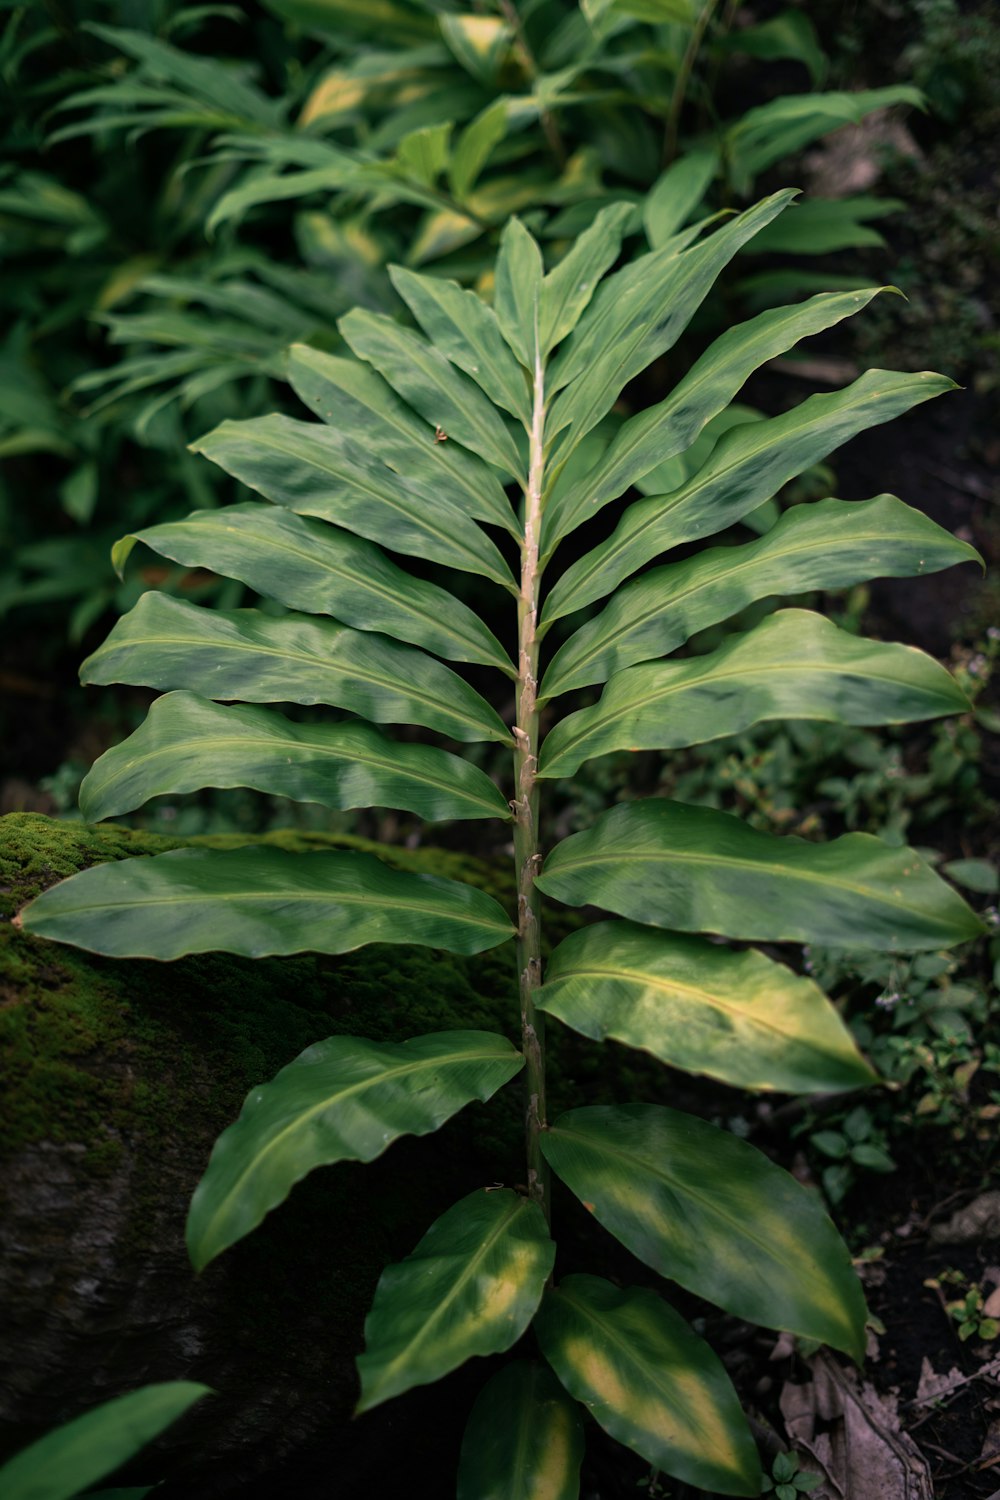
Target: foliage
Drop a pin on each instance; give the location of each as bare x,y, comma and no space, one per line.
968,1308
786,1480
421,437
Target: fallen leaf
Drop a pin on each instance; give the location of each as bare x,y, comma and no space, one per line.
979,1220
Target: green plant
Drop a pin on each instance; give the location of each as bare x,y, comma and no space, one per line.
858,1142
787,1481
419,440
968,1308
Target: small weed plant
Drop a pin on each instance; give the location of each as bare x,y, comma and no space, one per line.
490,435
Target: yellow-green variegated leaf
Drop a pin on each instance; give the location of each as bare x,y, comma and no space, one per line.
713,1213
324,570
694,869
471,1287
829,545
188,742
793,665
244,654
344,1099
340,476
749,464
259,901
648,1379
670,427
737,1016
351,397
524,1439
433,387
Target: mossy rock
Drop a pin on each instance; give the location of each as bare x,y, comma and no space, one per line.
120,1074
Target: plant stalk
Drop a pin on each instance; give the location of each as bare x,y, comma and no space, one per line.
672,131
525,806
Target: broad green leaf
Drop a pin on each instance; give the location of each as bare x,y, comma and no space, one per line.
828,545
75,1456
737,1016
423,154
430,383
794,665
244,654
674,197
336,475
473,147
524,1439
472,1286
567,291
351,397
711,1212
461,325
638,314
649,1381
647,440
821,225
698,870
344,1099
748,465
323,570
187,743
518,292
258,901
978,875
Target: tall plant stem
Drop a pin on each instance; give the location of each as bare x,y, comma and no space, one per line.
526,853
688,61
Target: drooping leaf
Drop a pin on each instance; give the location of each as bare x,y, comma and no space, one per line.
713,1213
822,225
471,1287
322,570
243,654
258,901
737,1016
749,464
433,387
698,870
334,474
461,325
568,289
75,1456
828,545
793,665
518,292
344,1099
187,743
649,1381
524,1439
354,399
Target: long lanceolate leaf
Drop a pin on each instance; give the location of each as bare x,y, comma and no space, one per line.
187,743
794,665
470,1287
260,901
345,1099
828,545
749,464
524,1437
230,654
697,870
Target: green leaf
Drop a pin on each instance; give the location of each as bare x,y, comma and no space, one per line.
647,440
441,394
568,289
979,875
187,743
736,1016
793,665
423,154
820,226
518,292
322,569
831,1143
697,870
649,1381
827,545
790,34
674,197
749,464
636,315
472,1286
317,471
874,1158
474,146
478,42
77,1455
524,1438
344,1099
243,654
711,1212
259,901
351,397
461,326
386,20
